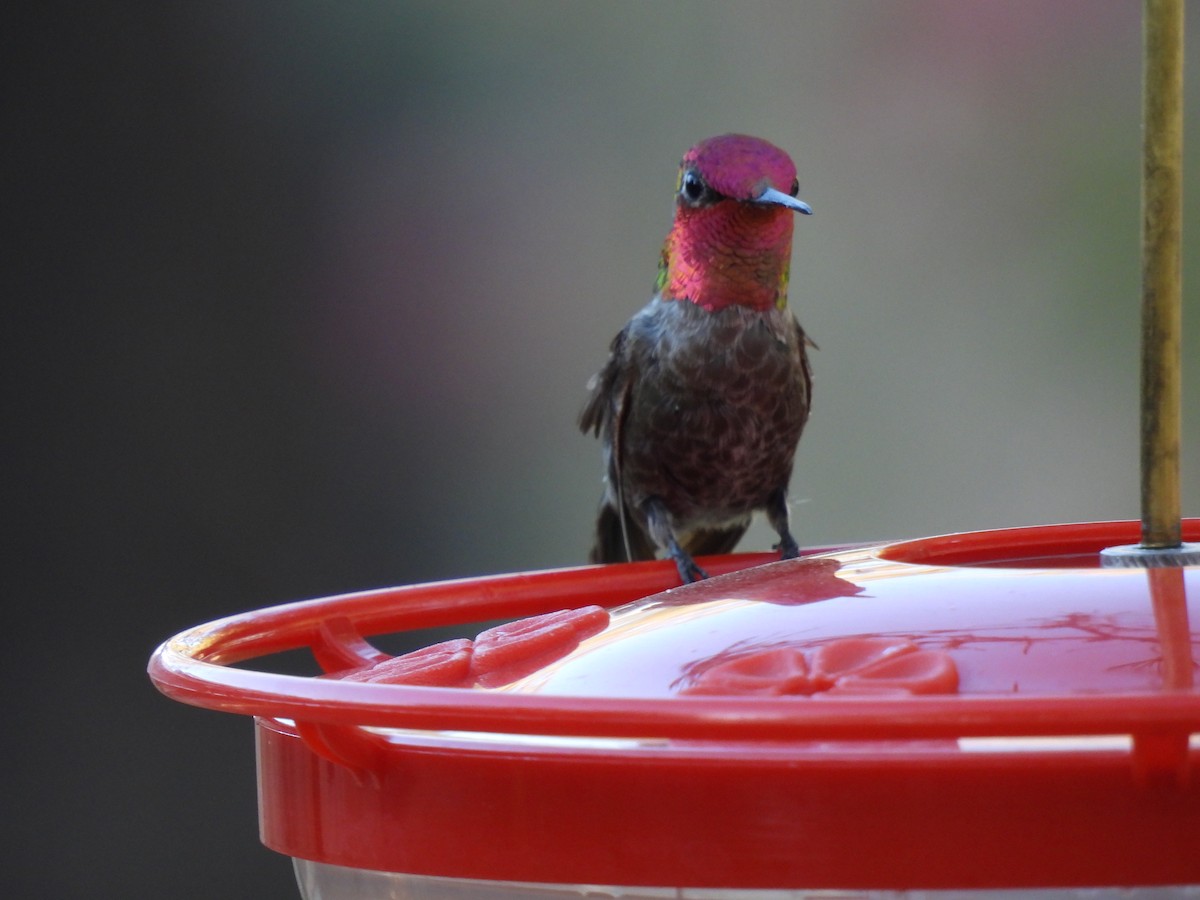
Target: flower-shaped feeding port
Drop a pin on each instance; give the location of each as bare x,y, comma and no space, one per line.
856,665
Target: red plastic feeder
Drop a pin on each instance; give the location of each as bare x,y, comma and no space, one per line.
980,711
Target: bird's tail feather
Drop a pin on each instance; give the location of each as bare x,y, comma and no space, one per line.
613,541
713,541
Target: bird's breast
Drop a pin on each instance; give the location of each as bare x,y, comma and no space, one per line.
719,408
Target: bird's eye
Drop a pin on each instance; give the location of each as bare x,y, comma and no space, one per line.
693,189
795,189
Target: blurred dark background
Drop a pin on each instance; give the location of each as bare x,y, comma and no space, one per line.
301,299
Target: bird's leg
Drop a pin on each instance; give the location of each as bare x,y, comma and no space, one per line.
777,515
658,522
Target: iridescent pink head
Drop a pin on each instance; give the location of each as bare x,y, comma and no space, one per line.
741,167
731,241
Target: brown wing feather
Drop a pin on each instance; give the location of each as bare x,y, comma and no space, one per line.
599,408
618,537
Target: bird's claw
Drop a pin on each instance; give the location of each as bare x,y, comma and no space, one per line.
787,547
689,572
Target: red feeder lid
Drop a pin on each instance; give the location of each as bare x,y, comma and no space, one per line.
990,710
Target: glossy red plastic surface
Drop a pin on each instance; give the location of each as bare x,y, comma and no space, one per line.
953,712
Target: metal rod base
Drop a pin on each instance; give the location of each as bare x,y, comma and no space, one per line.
1135,556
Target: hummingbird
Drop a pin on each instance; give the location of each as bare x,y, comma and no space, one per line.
706,390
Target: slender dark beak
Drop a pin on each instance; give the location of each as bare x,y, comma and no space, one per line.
779,198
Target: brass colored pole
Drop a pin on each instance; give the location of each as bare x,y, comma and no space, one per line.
1162,216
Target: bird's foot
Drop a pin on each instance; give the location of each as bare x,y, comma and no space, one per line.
688,570
658,521
787,546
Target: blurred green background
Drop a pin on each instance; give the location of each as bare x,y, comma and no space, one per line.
302,299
